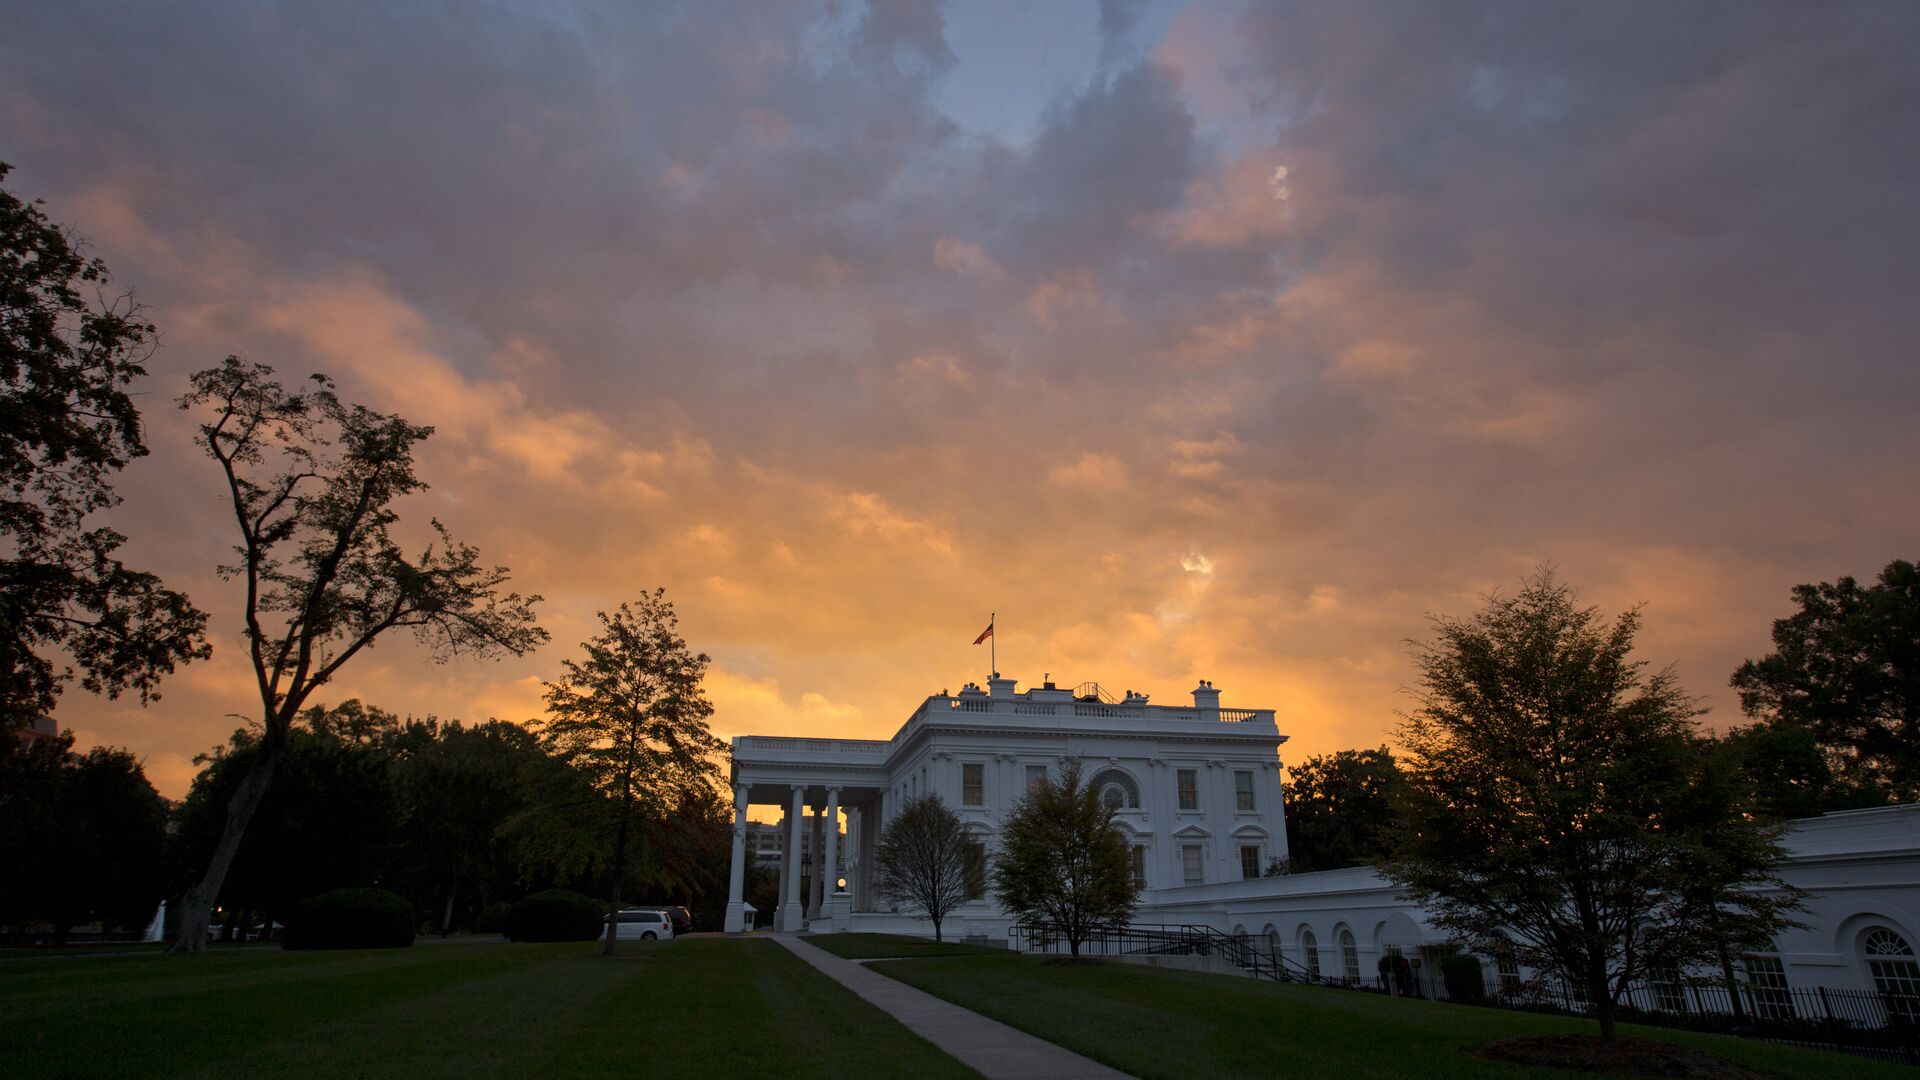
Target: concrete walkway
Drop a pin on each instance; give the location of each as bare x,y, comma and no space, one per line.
990,1047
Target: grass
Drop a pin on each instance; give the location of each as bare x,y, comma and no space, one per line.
1157,1023
896,946
698,1007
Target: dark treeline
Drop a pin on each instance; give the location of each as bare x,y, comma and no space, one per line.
458,819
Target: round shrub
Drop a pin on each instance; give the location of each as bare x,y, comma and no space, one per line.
492,918
1465,981
555,915
351,919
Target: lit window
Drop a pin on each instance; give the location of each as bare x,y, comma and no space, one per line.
1036,775
1189,789
1243,791
973,785
1249,860
1767,985
1190,866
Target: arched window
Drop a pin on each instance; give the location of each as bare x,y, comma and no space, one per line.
1310,948
1895,973
1117,790
1349,957
1273,943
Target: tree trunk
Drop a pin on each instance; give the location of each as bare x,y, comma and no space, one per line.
936,931
196,907
619,871
1733,989
1602,998
446,917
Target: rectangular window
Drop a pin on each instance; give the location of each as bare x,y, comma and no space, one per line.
1035,775
1189,789
1508,965
976,870
1139,867
1243,791
1249,860
1767,984
1669,993
1190,867
973,785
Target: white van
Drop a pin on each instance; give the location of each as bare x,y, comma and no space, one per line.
647,924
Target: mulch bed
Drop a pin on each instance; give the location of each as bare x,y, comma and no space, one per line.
1624,1057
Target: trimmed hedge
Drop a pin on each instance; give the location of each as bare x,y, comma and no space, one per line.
351,919
556,915
1463,978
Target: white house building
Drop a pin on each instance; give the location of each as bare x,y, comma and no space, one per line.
1197,794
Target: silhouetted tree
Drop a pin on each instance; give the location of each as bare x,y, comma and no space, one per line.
1553,805
68,353
922,860
1341,810
1061,861
632,718
82,836
313,484
1846,667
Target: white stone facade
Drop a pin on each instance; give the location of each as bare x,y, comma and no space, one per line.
1198,796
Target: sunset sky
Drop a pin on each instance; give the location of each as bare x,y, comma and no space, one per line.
1197,340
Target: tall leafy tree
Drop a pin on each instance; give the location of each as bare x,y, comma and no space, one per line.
1552,801
459,787
69,350
1729,832
1846,667
1341,809
923,859
333,817
631,716
83,835
1062,863
313,484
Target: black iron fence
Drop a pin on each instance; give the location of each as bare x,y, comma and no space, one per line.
1885,1026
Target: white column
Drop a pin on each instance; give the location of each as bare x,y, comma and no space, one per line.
737,876
786,856
833,841
791,908
815,888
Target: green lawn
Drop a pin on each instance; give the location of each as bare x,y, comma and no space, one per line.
1175,1024
697,1007
870,946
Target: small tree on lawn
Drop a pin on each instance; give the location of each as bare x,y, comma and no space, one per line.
924,860
1062,862
312,484
1553,802
632,718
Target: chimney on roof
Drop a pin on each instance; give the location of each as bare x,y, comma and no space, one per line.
1206,700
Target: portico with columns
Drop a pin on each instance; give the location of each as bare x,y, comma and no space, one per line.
1179,777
